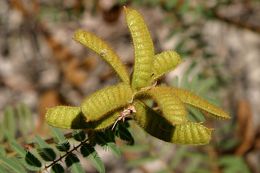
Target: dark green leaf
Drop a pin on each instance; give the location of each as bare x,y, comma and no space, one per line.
57,168
89,152
47,154
30,159
86,150
79,135
123,133
71,159
65,146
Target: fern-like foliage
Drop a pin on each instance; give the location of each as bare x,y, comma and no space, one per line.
107,106
59,153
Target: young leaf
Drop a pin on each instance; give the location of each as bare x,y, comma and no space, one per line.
198,102
171,106
143,47
106,100
165,62
152,122
106,52
191,133
67,117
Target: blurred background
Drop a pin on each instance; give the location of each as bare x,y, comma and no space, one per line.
219,41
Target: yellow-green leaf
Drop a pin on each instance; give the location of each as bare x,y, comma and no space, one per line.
191,133
152,122
187,133
143,47
67,117
198,102
105,101
104,123
104,50
165,62
171,106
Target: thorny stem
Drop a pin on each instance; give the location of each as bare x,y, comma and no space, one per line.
66,154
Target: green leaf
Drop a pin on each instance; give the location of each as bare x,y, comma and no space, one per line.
198,102
123,133
18,148
152,122
67,117
25,119
143,47
31,162
77,168
105,101
44,150
58,135
79,135
71,159
64,146
12,164
171,106
165,62
88,151
47,154
57,168
105,51
107,139
9,125
191,133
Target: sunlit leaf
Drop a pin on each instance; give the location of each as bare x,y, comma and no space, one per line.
165,62
171,106
143,47
106,100
198,102
104,50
